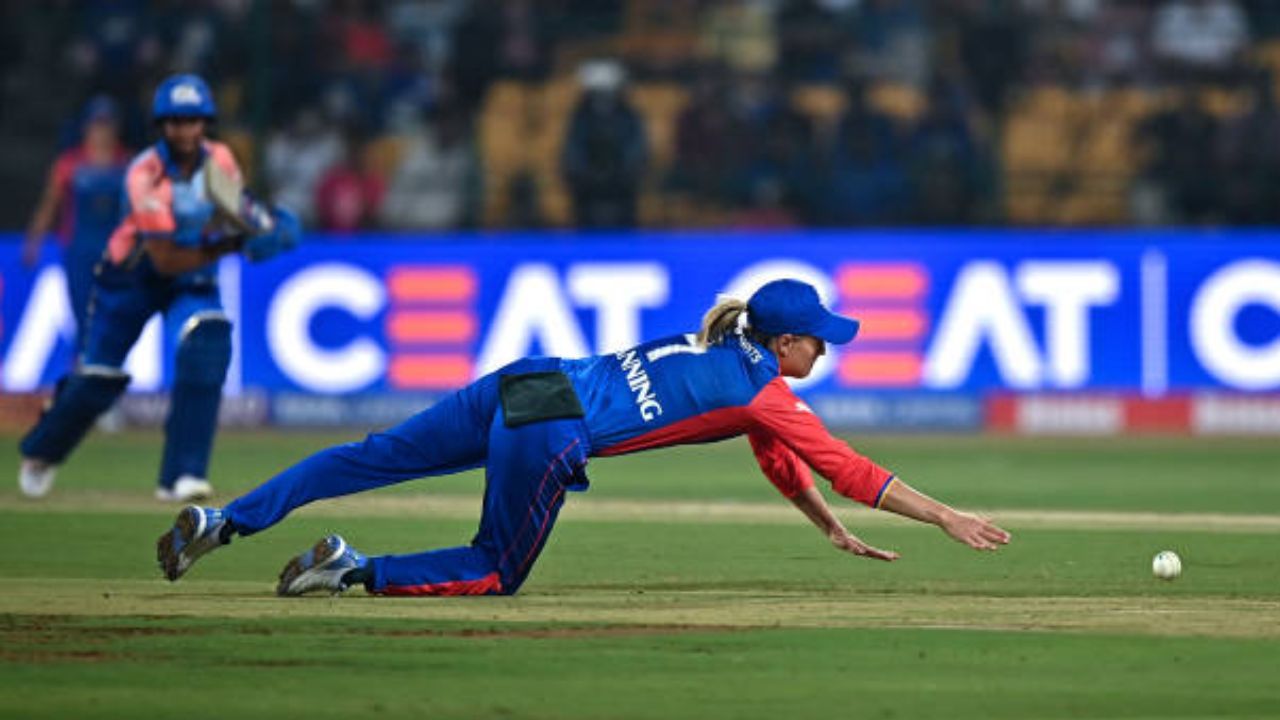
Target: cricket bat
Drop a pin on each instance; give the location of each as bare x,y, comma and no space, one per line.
227,195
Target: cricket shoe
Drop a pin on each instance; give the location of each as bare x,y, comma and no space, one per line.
187,488
320,568
196,531
35,477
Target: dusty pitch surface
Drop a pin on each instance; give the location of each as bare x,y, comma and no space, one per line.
632,610
1205,617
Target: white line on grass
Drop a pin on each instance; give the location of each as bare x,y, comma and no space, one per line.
672,511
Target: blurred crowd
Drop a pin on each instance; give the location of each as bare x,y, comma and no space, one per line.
446,114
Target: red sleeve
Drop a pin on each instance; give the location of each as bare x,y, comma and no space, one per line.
780,464
777,412
63,168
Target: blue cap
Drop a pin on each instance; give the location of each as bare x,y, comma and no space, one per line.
794,308
101,108
183,96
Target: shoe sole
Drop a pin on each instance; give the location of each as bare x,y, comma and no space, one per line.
187,526
322,553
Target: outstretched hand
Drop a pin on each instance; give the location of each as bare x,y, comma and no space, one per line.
847,542
976,531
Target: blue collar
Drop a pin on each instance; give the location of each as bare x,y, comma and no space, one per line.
170,167
753,349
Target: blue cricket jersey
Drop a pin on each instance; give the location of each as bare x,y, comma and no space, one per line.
673,391
91,199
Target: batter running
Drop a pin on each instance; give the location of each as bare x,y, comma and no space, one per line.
534,424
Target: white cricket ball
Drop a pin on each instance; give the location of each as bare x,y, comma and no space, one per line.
1166,565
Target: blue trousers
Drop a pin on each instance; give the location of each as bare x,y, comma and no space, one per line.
78,263
528,469
121,302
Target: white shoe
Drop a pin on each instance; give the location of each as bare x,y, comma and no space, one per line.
35,477
320,568
185,489
112,421
197,531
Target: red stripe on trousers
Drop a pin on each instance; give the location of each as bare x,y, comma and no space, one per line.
491,583
541,531
527,518
486,585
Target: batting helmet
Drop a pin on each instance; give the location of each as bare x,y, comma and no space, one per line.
183,96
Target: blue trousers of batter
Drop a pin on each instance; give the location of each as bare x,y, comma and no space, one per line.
528,469
122,301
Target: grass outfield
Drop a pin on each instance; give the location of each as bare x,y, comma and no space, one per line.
679,586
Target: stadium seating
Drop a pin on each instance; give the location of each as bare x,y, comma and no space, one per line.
383,154
1068,155
505,124
659,106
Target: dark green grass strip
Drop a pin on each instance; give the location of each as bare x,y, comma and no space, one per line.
55,667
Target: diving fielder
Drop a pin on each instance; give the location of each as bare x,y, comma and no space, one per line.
534,424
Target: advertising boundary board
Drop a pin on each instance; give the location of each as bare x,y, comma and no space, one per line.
955,323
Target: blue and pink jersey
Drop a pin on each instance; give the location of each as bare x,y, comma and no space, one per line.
90,199
161,203
673,391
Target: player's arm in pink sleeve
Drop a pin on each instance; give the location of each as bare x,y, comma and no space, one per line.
791,476
783,467
150,198
779,411
151,223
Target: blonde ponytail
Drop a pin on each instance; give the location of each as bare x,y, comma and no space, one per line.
720,321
